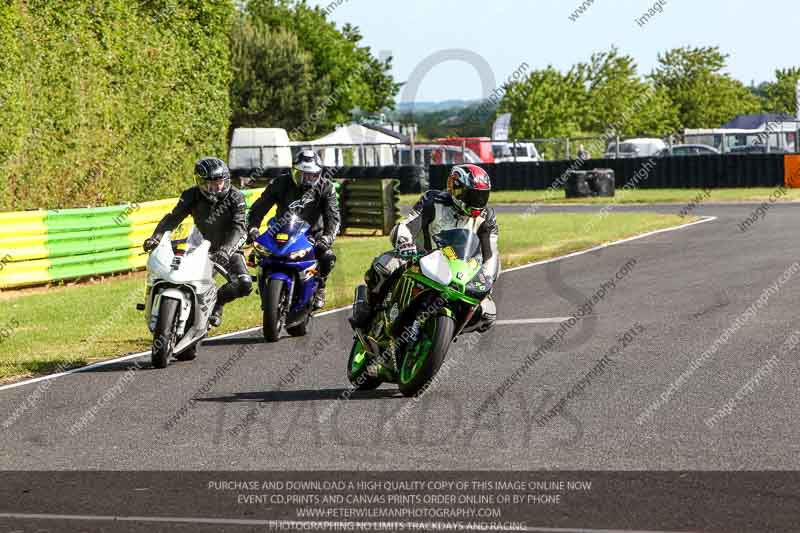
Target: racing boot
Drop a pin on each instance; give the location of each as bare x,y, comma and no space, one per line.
216,316
319,298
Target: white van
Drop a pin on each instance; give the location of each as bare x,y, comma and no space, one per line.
636,148
255,148
521,152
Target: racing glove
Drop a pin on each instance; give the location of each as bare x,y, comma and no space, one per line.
221,257
252,235
405,248
150,244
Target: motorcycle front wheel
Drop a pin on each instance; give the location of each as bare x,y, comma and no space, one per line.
422,360
164,335
357,365
275,306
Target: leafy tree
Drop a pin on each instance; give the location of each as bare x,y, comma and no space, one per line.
263,61
604,96
112,101
546,104
618,100
341,69
703,94
780,96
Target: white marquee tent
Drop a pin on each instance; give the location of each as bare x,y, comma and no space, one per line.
355,145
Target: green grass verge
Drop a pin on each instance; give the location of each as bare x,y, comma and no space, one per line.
636,196
80,324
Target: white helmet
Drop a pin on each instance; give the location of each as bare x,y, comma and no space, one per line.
308,168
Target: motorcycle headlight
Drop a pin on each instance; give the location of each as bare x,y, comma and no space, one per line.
299,254
261,250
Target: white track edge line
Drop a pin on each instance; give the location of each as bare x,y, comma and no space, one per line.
340,309
609,244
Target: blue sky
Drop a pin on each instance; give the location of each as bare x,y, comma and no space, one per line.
504,34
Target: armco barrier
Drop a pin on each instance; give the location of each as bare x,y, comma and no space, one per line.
43,246
695,172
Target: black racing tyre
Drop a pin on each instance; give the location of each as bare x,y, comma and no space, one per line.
301,329
164,335
275,306
422,361
190,354
357,369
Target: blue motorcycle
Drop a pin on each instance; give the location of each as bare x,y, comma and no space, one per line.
288,275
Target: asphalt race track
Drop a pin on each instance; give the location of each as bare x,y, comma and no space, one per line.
244,405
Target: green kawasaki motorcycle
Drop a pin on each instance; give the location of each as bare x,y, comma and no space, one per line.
427,306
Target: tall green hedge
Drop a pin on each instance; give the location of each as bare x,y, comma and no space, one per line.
103,101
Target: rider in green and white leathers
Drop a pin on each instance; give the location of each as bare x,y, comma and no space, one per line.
462,206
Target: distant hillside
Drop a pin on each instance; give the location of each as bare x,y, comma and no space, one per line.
446,119
433,107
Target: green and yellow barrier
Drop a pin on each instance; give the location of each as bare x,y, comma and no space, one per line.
43,246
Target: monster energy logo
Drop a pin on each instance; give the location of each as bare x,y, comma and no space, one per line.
404,294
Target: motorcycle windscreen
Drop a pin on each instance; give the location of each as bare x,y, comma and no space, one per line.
458,243
286,231
194,240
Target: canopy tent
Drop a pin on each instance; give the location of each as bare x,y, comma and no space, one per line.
356,145
758,121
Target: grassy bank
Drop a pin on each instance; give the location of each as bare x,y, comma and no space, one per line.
638,196
81,324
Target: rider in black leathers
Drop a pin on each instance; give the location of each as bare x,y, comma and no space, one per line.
320,210
218,210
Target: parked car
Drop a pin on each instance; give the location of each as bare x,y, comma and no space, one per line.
482,146
520,152
636,148
436,154
688,149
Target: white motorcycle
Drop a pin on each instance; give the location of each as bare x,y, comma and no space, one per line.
180,297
